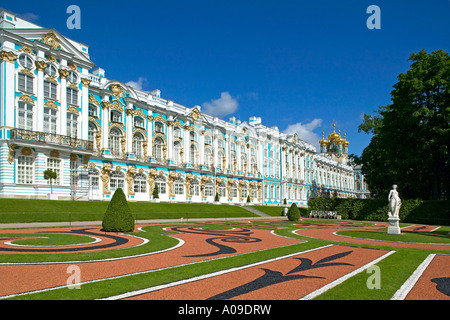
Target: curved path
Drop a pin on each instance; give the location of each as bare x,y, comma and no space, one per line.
195,245
299,275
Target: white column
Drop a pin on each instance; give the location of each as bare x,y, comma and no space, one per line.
63,110
85,109
7,103
105,123
150,134
187,147
202,147
129,129
169,141
227,153
39,116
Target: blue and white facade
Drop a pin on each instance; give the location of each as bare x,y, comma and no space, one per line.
59,112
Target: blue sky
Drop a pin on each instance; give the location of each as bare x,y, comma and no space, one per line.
298,65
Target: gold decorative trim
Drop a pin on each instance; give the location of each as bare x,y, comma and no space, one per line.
27,72
52,40
63,73
73,66
8,56
159,118
86,82
12,148
27,49
41,65
26,98
26,151
93,100
51,104
51,79
73,86
141,131
52,58
117,91
73,110
55,154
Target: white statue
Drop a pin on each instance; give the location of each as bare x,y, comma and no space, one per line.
394,202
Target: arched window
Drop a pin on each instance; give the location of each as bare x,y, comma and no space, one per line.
193,154
243,163
177,147
234,190
208,158
244,192
195,188
50,119
72,124
94,178
92,131
220,158
25,116
158,149
114,141
117,181
222,190
140,183
161,183
178,186
138,141
209,189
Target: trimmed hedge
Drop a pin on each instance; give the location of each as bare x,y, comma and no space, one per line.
294,213
118,216
411,211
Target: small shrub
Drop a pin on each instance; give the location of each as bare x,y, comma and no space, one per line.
155,192
217,199
118,217
293,213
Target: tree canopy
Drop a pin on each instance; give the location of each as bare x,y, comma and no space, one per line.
410,143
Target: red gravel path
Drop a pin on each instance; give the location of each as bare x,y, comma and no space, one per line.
19,278
288,290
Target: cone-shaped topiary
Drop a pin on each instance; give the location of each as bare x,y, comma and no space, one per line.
118,217
293,213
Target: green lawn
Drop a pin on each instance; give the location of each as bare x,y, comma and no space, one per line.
274,211
22,210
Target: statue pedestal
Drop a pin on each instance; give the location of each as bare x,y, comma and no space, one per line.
394,226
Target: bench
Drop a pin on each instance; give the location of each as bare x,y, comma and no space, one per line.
324,214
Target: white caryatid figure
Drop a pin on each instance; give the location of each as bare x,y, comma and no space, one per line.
394,202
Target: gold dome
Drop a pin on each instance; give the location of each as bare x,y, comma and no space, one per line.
323,142
334,137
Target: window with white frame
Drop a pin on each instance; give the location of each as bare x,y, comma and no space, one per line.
51,71
74,177
222,190
159,127
72,96
94,177
177,132
72,77
244,192
26,61
234,190
193,154
158,149
208,158
25,170
25,115
50,90
92,131
72,125
117,181
116,116
137,145
55,166
140,183
254,192
93,110
50,119
26,83
114,141
195,188
139,122
177,147
178,187
161,183
209,189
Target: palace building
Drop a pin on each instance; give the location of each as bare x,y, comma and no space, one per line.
58,111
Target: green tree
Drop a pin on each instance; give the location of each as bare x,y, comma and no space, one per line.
118,216
50,175
155,192
410,143
294,213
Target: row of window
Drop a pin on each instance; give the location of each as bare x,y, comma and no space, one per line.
26,120
26,84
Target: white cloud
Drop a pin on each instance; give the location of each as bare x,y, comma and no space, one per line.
137,84
306,131
223,106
